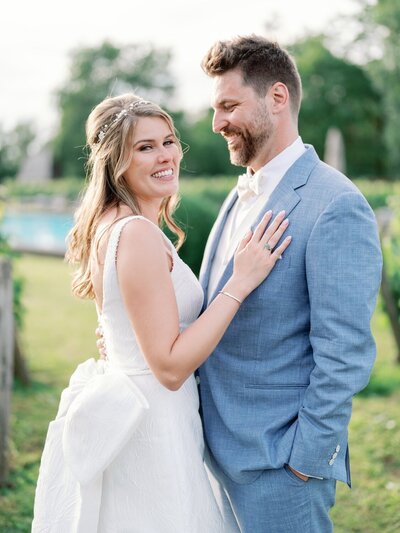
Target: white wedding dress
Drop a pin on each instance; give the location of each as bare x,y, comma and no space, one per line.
125,454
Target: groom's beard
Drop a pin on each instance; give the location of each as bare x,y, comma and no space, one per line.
245,143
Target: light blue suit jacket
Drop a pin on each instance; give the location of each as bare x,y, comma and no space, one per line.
278,388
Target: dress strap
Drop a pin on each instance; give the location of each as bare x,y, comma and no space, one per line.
112,247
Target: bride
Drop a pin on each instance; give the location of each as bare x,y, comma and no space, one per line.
125,453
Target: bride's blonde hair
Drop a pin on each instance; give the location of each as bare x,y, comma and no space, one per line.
109,132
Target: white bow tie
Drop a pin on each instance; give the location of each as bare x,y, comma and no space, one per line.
247,186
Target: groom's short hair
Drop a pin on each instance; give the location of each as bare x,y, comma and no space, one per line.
262,63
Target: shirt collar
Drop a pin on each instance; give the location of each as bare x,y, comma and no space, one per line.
271,173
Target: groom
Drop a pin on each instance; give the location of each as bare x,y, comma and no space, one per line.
277,392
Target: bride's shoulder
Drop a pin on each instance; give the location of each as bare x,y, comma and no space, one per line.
140,235
140,254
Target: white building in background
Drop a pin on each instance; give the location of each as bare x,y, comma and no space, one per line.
37,168
335,153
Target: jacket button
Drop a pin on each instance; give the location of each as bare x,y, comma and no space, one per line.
331,462
338,448
334,455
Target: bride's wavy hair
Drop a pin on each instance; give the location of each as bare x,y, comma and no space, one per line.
109,132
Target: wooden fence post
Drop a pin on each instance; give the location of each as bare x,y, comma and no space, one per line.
6,361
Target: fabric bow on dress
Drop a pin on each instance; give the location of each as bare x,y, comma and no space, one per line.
98,413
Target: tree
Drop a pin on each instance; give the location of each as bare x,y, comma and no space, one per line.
96,73
339,93
206,152
381,27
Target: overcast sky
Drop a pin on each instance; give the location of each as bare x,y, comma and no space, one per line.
37,36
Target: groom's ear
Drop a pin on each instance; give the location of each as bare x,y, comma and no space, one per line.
278,96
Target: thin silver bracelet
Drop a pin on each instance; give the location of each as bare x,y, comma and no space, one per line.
231,296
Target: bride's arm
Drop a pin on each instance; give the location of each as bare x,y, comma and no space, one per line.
148,293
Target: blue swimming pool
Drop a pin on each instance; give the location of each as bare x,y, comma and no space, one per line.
37,231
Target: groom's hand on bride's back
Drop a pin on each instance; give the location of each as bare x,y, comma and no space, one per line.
100,343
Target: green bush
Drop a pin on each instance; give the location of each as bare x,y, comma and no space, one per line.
196,216
198,209
378,192
67,187
201,201
18,283
391,251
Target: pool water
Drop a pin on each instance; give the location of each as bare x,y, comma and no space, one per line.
37,231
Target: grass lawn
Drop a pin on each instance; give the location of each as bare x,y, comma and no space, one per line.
59,333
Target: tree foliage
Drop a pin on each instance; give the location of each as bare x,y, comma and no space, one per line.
96,73
381,25
338,93
206,153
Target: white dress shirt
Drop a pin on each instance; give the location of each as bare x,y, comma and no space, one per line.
248,206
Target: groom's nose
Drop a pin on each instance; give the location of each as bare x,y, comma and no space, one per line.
219,121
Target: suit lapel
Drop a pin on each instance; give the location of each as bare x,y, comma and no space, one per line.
214,238
284,197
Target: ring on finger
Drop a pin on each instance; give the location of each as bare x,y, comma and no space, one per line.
267,246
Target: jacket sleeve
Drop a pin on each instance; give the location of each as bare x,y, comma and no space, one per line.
343,269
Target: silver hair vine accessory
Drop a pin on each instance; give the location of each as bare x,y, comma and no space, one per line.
118,116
